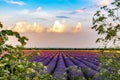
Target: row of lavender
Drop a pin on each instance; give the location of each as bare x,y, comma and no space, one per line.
70,64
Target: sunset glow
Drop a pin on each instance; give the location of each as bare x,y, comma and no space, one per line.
52,23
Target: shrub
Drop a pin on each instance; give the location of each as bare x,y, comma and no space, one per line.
16,66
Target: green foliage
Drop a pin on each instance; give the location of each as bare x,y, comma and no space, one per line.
107,23
109,67
1,25
4,37
14,65
76,73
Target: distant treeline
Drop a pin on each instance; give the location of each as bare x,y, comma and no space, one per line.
72,48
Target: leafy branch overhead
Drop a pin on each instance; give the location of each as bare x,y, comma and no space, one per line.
107,22
15,65
4,37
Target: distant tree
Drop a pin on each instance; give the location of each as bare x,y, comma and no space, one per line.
107,23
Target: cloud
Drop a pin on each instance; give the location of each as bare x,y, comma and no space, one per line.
78,11
24,12
103,2
38,13
77,28
66,17
57,27
41,15
19,3
23,27
39,9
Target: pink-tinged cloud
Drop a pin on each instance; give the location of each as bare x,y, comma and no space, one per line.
103,2
68,40
81,10
77,28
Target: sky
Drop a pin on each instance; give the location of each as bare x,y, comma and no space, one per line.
52,23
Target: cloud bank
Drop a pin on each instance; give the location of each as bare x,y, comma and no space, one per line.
23,27
57,27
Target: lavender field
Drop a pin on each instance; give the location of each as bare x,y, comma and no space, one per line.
69,64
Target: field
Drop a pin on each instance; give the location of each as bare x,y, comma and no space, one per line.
69,64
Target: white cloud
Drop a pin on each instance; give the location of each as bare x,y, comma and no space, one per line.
37,13
23,27
19,3
5,16
77,28
41,15
24,12
61,28
57,27
103,2
38,9
78,11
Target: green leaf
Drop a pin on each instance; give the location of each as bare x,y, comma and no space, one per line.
117,27
106,23
8,32
101,18
94,27
97,13
2,65
1,40
1,25
100,29
17,34
23,40
104,7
